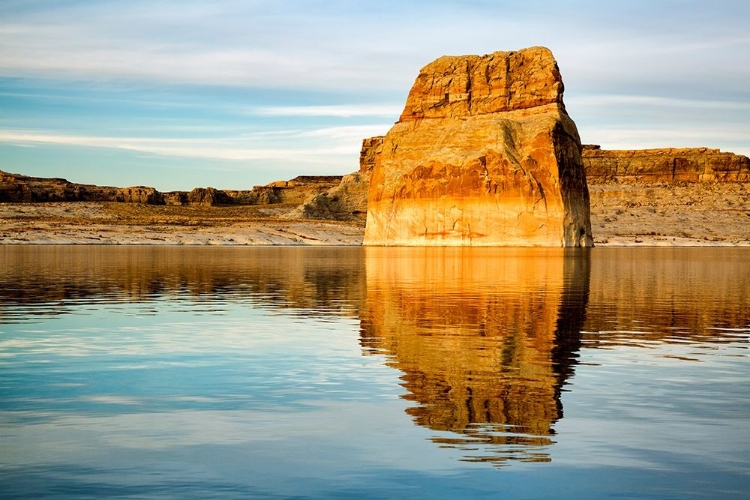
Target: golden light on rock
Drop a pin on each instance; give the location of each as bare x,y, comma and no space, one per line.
484,154
483,337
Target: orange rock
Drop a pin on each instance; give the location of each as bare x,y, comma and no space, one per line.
368,154
484,154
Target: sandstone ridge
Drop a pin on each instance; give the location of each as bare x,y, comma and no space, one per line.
484,154
16,188
665,165
456,86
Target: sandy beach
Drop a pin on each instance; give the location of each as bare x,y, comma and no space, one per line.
75,223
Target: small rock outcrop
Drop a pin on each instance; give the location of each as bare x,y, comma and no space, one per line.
666,165
296,191
347,200
483,154
137,194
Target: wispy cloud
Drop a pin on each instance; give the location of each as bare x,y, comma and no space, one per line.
348,133
654,101
287,146
340,111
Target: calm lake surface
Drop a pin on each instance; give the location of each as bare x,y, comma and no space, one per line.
147,372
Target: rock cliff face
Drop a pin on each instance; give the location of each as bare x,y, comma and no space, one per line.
664,165
484,154
368,155
668,196
299,189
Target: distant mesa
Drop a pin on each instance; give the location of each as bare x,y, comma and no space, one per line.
484,154
16,188
667,165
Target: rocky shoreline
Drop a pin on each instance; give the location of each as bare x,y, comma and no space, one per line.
110,223
706,214
666,197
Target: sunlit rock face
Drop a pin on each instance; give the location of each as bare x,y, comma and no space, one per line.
484,154
485,339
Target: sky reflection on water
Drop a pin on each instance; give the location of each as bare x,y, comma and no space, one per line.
380,373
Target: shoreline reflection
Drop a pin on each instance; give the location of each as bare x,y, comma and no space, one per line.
39,281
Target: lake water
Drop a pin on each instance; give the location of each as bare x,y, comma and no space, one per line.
147,372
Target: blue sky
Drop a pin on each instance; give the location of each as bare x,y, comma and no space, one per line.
231,94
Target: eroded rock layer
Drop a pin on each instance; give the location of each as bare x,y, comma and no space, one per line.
665,165
24,189
484,154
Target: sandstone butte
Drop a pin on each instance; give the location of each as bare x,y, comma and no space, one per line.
484,154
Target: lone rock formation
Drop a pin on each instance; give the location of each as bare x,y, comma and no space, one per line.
484,154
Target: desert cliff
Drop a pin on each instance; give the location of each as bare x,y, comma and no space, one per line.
669,196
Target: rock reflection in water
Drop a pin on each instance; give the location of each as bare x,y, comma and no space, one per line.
54,280
485,338
649,296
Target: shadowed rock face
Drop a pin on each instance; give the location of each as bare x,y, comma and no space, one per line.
666,165
484,154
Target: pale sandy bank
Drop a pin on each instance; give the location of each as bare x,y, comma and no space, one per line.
73,223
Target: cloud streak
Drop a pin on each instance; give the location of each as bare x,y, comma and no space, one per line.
331,144
655,101
339,111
